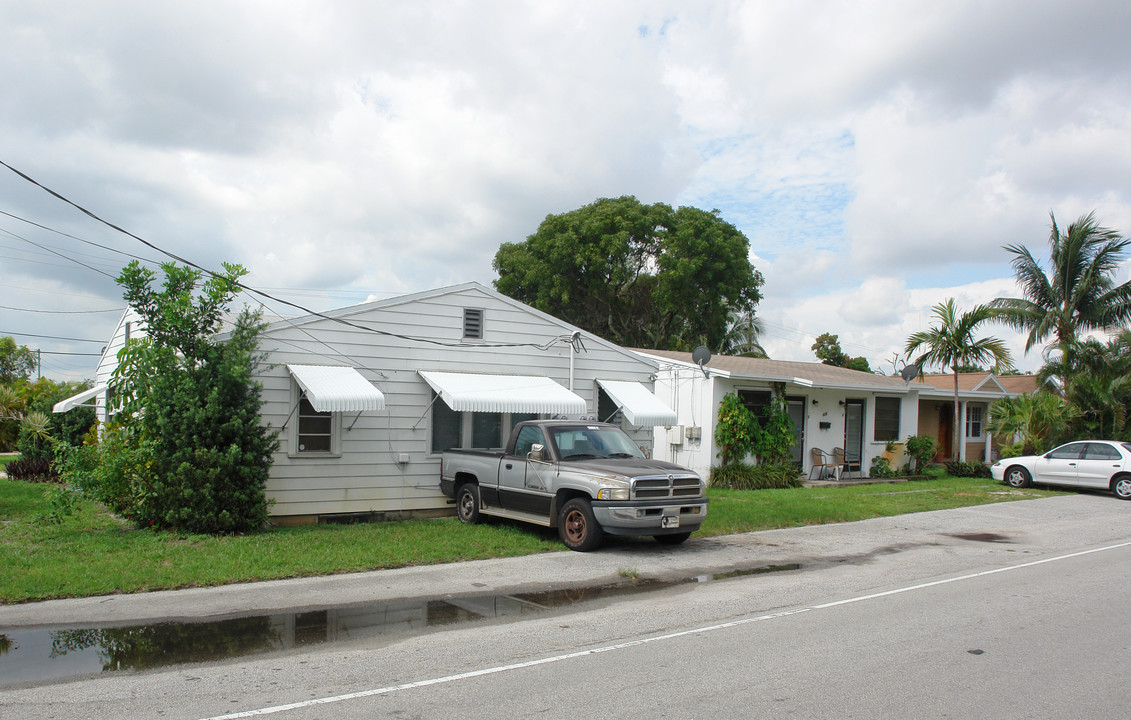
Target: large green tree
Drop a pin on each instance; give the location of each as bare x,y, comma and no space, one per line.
1079,295
951,344
190,406
639,275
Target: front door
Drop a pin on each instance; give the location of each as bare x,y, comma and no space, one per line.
521,481
795,406
854,432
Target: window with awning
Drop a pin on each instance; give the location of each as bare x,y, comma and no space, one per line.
327,391
639,406
478,411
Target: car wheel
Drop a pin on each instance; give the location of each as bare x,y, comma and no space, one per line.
1121,487
1018,477
467,503
674,539
578,527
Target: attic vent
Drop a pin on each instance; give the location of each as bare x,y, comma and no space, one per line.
473,323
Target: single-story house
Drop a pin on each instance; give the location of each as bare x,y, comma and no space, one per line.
368,397
831,407
976,392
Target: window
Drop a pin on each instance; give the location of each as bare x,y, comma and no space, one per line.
887,419
313,432
1071,451
446,427
974,415
526,440
1097,451
473,323
472,430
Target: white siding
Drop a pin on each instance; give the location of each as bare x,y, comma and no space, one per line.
366,476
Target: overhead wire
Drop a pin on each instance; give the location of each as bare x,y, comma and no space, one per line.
247,288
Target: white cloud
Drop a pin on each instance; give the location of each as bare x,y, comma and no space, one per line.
877,155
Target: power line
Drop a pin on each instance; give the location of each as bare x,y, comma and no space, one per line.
62,312
308,311
50,337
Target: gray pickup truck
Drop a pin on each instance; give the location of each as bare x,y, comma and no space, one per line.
585,478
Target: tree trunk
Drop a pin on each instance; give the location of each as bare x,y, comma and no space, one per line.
958,422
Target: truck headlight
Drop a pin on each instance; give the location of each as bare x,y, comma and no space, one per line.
615,492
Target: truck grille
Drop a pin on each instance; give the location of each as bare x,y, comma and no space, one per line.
665,486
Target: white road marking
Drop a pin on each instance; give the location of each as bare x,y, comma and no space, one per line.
636,643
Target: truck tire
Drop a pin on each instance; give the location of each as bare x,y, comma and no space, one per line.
577,526
467,503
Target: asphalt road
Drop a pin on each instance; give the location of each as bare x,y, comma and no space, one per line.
1011,610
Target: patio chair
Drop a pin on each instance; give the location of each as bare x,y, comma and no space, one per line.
846,464
821,462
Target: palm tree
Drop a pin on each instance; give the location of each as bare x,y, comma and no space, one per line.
1081,294
952,344
742,335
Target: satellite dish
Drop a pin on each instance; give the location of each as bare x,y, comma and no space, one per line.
701,356
909,373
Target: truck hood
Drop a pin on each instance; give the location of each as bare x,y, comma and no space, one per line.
629,467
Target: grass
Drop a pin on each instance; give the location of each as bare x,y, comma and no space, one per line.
94,553
7,458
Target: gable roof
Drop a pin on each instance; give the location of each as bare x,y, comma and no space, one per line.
984,382
807,374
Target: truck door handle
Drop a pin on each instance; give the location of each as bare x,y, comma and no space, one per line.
509,466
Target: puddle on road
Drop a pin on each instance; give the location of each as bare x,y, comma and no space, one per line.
38,655
987,537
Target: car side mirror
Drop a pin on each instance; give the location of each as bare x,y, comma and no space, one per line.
537,453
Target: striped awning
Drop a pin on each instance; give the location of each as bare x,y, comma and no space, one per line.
331,388
503,393
639,405
75,400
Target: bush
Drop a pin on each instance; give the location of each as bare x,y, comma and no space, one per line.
740,476
1014,450
881,468
922,449
968,469
33,470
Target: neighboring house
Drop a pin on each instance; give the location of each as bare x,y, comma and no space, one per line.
976,392
830,406
368,397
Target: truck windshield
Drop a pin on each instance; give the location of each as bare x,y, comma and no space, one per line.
594,441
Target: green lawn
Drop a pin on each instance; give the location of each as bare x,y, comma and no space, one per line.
5,459
93,553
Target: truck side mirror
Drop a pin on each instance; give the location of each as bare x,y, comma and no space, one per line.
537,453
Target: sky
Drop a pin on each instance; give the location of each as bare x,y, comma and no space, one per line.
878,154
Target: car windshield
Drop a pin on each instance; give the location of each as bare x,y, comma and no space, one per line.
593,441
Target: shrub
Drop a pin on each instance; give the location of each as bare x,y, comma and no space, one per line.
1014,450
881,468
32,470
968,469
922,449
740,476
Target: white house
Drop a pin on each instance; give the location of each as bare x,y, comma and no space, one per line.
831,407
367,397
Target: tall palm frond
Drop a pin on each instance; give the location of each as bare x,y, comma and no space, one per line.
1080,293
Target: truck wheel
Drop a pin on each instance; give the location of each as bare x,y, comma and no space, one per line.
467,503
675,539
577,526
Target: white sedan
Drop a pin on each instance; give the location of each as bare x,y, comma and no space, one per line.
1093,463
